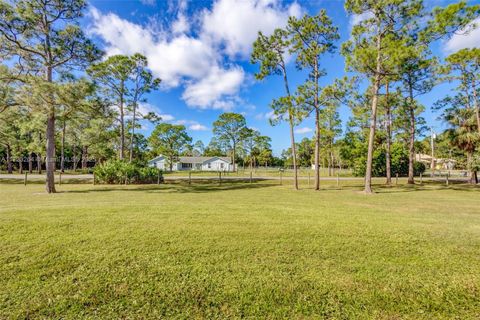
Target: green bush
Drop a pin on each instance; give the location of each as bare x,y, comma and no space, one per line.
119,172
398,163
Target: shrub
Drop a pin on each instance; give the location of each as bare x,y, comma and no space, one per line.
119,172
398,162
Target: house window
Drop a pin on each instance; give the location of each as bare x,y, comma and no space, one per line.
221,165
209,165
186,165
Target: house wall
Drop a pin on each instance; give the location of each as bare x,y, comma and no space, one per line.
216,165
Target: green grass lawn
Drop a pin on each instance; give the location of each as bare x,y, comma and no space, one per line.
239,250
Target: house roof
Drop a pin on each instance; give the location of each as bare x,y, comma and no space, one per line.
194,159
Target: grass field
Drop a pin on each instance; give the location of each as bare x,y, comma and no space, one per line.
239,250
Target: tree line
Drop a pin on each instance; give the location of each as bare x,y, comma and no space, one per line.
60,99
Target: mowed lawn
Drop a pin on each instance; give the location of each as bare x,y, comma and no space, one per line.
239,250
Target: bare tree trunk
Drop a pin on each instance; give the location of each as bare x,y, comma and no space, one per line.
371,137
475,102
30,162
50,135
39,163
20,164
132,136
317,130
62,157
411,148
388,163
373,120
84,157
233,157
292,133
317,149
9,160
122,127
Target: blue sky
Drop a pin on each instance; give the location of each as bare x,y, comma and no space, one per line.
200,50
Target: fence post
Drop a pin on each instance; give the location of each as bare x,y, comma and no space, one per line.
189,178
396,179
338,180
250,176
158,178
446,178
421,179
220,177
25,179
60,179
94,178
309,179
281,177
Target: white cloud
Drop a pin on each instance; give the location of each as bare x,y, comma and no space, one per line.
178,60
197,62
217,83
145,108
464,40
357,18
192,125
197,127
267,115
303,130
235,24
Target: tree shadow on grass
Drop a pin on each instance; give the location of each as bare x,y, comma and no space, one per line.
178,187
429,186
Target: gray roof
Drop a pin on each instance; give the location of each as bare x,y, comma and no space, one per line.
195,159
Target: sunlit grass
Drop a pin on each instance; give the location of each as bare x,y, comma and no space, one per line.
257,250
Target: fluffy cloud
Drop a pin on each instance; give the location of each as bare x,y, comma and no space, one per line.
145,108
219,81
235,24
464,40
357,18
192,125
303,130
197,62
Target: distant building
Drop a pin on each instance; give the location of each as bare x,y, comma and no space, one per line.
440,164
193,163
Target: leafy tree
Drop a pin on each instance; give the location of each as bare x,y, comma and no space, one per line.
44,36
464,68
142,82
229,129
169,140
374,50
269,52
312,37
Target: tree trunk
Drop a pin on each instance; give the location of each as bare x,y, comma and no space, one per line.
39,163
388,163
132,136
475,102
84,157
50,144
373,120
30,162
62,157
317,149
371,136
122,127
20,164
233,157
9,160
294,153
411,147
292,133
317,130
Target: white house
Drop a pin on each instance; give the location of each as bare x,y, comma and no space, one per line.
193,163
